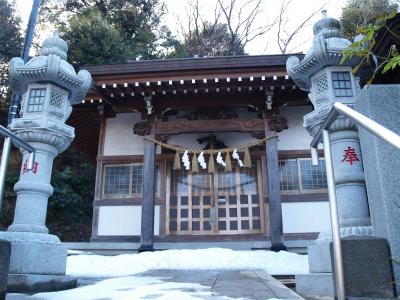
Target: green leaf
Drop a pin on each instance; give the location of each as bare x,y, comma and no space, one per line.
391,64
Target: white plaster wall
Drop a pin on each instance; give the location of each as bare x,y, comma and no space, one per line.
296,136
119,138
124,220
305,217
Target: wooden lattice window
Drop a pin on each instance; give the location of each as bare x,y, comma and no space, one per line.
298,175
124,181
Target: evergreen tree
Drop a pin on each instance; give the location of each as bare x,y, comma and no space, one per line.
10,46
93,40
361,13
111,31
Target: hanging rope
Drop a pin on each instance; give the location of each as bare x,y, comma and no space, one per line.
181,149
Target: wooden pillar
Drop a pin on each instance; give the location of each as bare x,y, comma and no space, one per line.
274,195
149,176
99,172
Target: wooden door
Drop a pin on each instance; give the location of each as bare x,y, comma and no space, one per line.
215,203
237,195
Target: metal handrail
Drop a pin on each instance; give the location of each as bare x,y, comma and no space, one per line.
9,139
377,130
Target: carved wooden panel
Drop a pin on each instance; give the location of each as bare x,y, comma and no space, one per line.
184,126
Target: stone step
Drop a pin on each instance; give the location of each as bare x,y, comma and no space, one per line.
315,284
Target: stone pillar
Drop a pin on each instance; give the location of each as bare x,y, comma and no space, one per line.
350,179
149,175
34,250
49,86
274,195
382,166
30,211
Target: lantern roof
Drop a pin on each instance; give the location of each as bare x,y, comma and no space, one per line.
326,50
50,66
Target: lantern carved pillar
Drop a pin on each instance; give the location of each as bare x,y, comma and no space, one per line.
327,80
49,86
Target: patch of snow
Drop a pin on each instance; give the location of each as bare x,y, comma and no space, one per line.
73,252
274,263
132,288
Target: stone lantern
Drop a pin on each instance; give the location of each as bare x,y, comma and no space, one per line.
327,80
49,85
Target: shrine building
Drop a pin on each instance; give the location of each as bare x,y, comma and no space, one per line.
199,104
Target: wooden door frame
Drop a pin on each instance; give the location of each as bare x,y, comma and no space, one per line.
213,186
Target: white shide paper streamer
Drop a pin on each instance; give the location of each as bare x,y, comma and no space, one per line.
185,160
202,160
235,155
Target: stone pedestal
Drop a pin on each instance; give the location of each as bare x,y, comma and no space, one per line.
5,251
366,265
319,282
382,166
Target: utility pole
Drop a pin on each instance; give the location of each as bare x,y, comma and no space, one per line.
16,99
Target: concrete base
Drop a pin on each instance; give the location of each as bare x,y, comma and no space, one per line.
319,282
278,247
319,258
368,298
31,283
315,284
145,248
36,253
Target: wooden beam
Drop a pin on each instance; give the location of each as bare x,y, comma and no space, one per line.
225,125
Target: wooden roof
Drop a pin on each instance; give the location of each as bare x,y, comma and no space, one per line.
188,76
191,64
183,83
386,37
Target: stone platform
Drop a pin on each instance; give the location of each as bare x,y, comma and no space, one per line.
254,285
223,284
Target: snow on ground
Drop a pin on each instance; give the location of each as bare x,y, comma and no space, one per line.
127,286
132,288
274,263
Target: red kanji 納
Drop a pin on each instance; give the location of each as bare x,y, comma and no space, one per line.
25,167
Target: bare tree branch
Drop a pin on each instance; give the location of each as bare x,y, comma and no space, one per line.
284,36
241,25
